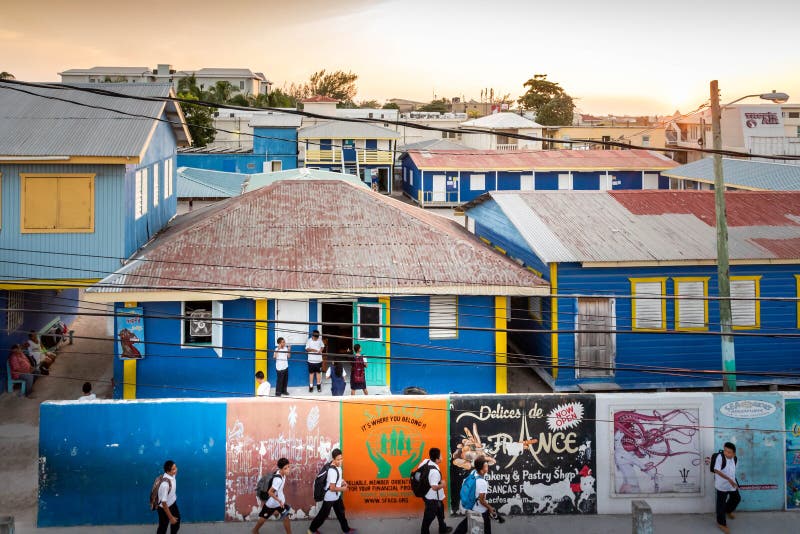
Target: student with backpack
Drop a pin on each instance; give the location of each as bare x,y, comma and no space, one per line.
328,488
163,498
269,491
473,497
427,483
358,372
723,465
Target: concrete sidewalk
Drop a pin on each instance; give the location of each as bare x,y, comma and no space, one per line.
747,522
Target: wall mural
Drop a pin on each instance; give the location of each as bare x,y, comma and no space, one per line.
793,454
656,451
259,433
540,448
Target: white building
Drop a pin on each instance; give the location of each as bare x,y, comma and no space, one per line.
244,80
502,126
770,129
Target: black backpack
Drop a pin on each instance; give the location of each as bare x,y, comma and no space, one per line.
724,461
263,486
419,480
321,482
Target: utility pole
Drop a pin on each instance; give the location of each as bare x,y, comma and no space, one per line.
723,267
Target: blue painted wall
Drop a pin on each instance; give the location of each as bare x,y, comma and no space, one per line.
277,144
47,304
470,345
241,163
97,461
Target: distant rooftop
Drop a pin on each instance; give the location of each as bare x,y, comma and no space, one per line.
746,174
505,120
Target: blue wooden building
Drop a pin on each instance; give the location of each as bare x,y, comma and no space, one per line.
359,148
637,269
451,177
82,189
273,148
420,294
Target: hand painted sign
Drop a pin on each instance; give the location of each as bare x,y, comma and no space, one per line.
792,454
130,333
540,451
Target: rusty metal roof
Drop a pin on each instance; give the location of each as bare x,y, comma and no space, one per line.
651,226
321,238
541,160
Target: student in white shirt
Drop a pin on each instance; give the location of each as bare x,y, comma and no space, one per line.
728,497
314,348
263,386
434,508
333,497
276,504
87,393
168,513
481,505
281,356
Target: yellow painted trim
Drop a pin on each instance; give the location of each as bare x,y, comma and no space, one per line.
14,285
387,338
501,344
534,271
797,276
499,249
541,169
129,371
485,240
760,261
262,339
23,179
554,318
676,282
757,280
76,160
663,282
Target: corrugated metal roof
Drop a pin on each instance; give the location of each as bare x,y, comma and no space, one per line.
320,98
739,172
346,130
202,183
275,120
268,178
504,120
542,160
649,226
315,236
37,125
434,144
110,70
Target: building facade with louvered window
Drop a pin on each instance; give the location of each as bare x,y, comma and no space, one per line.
633,278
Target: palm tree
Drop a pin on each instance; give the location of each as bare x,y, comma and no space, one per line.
188,85
222,92
7,76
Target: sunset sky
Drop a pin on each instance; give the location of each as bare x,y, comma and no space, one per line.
614,56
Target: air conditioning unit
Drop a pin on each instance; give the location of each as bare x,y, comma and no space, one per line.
200,323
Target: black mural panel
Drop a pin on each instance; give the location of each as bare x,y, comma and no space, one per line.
541,451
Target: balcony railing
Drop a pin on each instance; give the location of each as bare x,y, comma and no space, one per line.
507,147
438,198
364,157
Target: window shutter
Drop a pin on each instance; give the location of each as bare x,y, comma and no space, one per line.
691,312
565,182
743,312
648,311
443,314
216,327
74,203
41,203
526,182
291,310
477,182
650,181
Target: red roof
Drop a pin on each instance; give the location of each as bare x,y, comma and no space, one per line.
575,160
319,98
316,236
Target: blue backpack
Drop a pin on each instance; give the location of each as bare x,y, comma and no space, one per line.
467,494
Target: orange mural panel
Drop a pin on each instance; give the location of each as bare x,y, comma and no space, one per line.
260,432
383,440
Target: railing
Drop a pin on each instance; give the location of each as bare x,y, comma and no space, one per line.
323,156
507,147
438,198
364,157
374,157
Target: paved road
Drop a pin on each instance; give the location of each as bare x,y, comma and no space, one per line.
760,523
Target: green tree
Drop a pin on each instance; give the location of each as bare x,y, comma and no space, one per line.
339,85
7,76
369,104
390,105
221,92
188,84
115,79
199,120
436,105
281,99
552,105
240,99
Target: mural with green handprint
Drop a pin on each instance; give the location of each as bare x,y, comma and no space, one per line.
395,444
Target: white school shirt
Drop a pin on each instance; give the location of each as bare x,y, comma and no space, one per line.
277,483
333,495
166,493
434,478
281,358
35,350
730,469
328,372
314,357
263,389
87,398
481,486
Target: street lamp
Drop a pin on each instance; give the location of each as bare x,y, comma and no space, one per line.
723,260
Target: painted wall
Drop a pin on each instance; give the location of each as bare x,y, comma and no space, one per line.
550,453
792,426
47,304
97,461
751,422
277,144
241,163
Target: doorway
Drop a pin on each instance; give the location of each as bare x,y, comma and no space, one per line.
595,350
340,337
